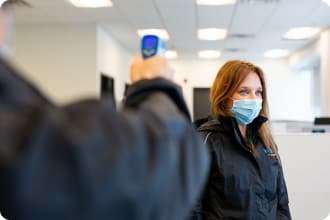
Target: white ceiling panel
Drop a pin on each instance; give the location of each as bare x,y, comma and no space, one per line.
140,14
187,46
265,20
125,35
68,14
294,13
273,40
209,45
47,4
178,18
296,8
218,17
33,16
252,57
175,8
239,43
250,18
321,16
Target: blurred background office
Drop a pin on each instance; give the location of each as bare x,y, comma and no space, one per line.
78,48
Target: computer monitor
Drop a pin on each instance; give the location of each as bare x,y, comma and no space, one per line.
322,121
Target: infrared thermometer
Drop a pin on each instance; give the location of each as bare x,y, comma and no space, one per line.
152,45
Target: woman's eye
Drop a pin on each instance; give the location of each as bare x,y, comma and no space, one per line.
259,93
243,92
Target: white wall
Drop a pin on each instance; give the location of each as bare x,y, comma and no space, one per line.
198,74
316,55
60,59
288,91
325,72
65,61
113,60
305,159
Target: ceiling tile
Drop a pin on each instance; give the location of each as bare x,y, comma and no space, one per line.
266,22
217,16
250,18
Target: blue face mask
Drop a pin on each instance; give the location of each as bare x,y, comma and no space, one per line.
246,110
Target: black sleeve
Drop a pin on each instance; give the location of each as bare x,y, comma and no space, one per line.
88,161
283,210
197,212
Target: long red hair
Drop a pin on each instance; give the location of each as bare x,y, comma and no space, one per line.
226,83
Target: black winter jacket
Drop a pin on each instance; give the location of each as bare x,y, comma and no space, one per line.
88,161
242,185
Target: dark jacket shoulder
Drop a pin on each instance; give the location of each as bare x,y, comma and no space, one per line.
208,124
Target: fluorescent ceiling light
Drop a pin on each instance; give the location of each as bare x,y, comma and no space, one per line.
211,34
301,33
171,54
91,3
162,33
276,53
209,54
327,1
216,2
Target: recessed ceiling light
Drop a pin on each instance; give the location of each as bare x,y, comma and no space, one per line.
209,54
216,2
301,33
171,54
91,3
211,34
327,1
276,53
162,33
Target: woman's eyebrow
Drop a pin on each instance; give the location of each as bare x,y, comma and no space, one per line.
244,87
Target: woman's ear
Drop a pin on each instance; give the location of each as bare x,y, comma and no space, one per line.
230,103
227,104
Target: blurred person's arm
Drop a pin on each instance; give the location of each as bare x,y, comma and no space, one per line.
88,161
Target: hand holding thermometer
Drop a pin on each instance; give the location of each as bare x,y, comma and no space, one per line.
152,45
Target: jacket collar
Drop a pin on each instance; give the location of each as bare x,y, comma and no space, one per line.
226,123
229,126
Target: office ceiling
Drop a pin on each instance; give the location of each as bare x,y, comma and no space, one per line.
254,25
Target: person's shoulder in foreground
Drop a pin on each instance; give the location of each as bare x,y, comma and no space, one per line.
86,160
